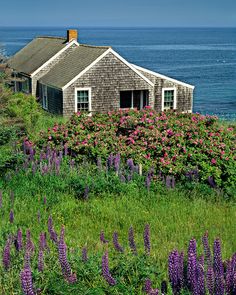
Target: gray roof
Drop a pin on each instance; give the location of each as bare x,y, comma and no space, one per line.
72,65
36,53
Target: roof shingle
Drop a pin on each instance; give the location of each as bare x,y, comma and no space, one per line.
72,65
36,53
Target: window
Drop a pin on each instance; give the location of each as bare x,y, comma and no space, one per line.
168,99
25,86
45,97
83,100
133,99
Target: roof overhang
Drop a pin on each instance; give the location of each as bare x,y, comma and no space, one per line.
164,77
109,50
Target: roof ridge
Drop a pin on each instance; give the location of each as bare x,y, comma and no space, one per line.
94,46
50,37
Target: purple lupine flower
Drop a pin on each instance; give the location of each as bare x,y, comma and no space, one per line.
212,182
40,261
0,199
132,241
86,193
27,259
146,239
207,250
147,286
228,278
116,243
168,181
11,216
192,267
218,269
201,276
110,160
181,270
84,254
65,150
29,242
52,233
42,241
102,238
130,164
26,281
105,270
210,280
173,270
19,241
6,258
65,266
117,163
122,178
72,164
44,200
99,164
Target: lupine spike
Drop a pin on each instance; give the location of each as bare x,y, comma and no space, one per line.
26,281
147,286
84,254
116,243
146,239
192,273
207,250
132,241
11,216
218,269
102,238
6,259
40,261
201,276
52,233
210,280
105,270
65,266
29,242
19,241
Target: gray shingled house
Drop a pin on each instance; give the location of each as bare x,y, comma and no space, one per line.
68,77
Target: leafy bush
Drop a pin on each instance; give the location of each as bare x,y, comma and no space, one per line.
172,143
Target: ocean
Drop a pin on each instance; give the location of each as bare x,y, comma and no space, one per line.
204,57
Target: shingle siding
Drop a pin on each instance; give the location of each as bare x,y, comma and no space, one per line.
48,67
106,79
55,99
184,94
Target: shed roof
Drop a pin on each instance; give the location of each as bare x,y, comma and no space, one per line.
36,53
72,65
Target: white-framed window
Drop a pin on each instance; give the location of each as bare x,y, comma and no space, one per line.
133,99
82,100
169,99
45,97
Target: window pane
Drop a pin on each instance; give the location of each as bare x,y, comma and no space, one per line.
125,99
168,99
82,100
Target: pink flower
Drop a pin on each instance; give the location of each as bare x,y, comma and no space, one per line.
213,161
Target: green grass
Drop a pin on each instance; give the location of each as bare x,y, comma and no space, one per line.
175,216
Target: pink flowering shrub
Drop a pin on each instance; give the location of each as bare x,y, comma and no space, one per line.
173,143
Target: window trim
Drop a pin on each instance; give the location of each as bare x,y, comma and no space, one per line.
163,97
27,89
44,105
89,89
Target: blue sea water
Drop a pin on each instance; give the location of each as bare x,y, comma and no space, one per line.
204,57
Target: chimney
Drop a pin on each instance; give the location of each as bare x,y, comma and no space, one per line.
72,35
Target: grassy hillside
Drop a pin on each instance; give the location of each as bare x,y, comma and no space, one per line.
89,197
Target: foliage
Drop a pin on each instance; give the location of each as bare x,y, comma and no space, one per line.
172,143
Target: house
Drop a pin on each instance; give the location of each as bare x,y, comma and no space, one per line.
68,77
